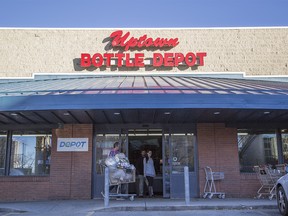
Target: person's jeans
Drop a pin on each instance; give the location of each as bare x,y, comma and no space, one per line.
141,184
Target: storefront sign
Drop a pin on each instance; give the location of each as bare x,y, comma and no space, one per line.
72,144
137,59
141,42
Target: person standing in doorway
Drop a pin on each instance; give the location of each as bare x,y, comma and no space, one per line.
149,172
140,172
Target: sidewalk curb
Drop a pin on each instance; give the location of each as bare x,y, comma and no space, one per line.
10,210
186,208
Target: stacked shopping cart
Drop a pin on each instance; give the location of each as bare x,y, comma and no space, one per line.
268,178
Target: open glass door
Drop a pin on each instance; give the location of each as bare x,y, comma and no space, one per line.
146,139
104,143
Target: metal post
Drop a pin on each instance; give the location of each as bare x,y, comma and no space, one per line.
279,146
106,188
186,182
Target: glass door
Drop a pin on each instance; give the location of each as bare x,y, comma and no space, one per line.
166,166
178,152
123,140
104,143
131,144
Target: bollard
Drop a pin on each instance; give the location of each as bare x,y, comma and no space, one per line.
186,183
106,188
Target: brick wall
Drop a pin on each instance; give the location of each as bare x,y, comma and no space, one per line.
16,188
249,185
70,175
256,51
217,148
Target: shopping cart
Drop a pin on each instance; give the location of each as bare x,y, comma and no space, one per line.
267,178
282,168
118,177
210,187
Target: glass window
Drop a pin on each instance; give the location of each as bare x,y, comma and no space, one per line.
30,154
3,139
256,148
182,146
285,145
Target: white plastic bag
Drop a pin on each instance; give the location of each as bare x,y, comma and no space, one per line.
118,174
111,162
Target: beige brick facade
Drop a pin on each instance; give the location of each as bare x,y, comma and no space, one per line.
255,51
24,52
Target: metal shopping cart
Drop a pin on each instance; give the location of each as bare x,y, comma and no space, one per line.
267,178
119,176
210,187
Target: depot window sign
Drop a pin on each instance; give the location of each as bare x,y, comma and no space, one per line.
137,59
72,144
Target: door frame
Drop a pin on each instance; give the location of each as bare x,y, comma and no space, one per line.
193,176
123,129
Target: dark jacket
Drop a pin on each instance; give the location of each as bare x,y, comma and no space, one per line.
140,166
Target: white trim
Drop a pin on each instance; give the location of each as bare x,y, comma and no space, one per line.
158,73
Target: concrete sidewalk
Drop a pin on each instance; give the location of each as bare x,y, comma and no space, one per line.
89,207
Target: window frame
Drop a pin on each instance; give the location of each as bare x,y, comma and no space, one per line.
8,152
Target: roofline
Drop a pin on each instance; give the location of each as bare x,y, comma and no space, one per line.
132,28
133,101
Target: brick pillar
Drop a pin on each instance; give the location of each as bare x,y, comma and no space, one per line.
217,148
70,174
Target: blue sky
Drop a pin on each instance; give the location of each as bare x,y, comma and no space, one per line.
143,13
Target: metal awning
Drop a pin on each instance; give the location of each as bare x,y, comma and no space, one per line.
141,99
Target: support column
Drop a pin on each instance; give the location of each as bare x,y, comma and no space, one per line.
279,146
8,152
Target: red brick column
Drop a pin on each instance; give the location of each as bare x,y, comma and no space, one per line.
217,148
70,174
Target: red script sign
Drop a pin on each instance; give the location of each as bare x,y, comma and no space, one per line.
123,41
